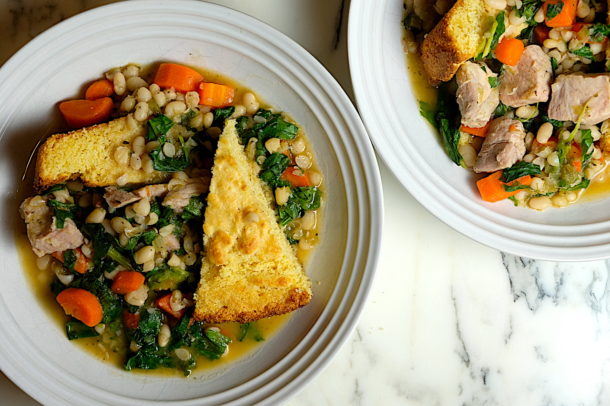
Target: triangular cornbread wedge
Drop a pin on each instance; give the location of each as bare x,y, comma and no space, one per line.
87,154
455,39
249,270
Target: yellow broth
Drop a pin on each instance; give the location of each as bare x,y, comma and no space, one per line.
41,280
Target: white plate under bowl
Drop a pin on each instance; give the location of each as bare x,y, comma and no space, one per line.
34,351
412,150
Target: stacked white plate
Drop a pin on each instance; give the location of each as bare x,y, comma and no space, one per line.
412,149
34,351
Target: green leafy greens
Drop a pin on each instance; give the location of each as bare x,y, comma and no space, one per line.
518,170
553,10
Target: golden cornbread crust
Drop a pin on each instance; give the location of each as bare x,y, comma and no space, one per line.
249,270
87,154
455,39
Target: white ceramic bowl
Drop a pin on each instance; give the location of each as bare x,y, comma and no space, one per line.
413,151
34,351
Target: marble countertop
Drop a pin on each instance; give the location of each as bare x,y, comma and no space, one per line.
449,321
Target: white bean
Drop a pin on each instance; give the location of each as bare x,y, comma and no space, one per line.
192,99
164,335
132,124
315,177
282,194
135,162
43,262
138,296
170,94
119,84
169,150
128,103
152,219
527,112
131,70
467,152
308,222
141,112
297,146
120,224
143,94
583,9
273,145
138,144
302,161
144,254
159,98
183,354
540,203
553,159
544,133
208,118
239,111
560,201
250,103
142,207
96,216
175,108
135,83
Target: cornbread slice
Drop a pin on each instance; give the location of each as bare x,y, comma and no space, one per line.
87,154
455,39
249,270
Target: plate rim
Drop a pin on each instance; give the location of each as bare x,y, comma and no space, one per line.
351,119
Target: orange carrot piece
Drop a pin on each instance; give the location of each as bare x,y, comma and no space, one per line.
98,89
82,113
180,77
131,320
509,51
164,304
82,305
82,262
296,176
479,132
215,95
566,17
127,281
492,189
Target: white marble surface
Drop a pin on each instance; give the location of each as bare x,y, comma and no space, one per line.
449,322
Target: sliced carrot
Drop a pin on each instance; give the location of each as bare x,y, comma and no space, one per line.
82,113
82,305
127,281
215,95
479,132
541,32
164,304
566,16
98,89
180,77
296,177
509,51
131,320
82,262
492,189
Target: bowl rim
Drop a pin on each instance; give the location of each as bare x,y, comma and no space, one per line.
579,242
368,261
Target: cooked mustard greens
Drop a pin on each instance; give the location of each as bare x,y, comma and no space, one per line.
256,131
150,237
532,101
158,129
447,121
